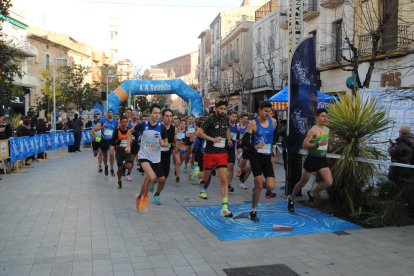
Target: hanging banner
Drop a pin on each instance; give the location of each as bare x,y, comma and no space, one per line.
295,24
302,94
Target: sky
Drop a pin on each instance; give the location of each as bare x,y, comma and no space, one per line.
149,31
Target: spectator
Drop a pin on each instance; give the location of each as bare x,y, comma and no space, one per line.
42,128
59,124
402,151
77,131
26,130
5,128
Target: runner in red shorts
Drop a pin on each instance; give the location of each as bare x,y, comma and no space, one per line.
215,131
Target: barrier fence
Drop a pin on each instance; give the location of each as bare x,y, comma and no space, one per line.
26,146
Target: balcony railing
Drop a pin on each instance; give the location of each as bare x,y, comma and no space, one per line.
310,10
261,81
391,40
331,4
330,54
284,19
265,9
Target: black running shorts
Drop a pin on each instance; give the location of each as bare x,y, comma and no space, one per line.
232,155
165,164
262,164
156,167
105,145
121,157
315,163
96,145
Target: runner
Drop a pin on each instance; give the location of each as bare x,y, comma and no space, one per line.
215,130
120,142
231,151
316,141
181,137
243,154
96,143
191,130
262,131
134,146
153,136
108,125
166,152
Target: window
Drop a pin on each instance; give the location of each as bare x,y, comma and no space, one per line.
47,61
337,30
313,34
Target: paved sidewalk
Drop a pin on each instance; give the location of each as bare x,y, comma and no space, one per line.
63,218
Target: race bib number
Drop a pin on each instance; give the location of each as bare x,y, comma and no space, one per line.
191,130
266,149
124,143
166,148
152,146
180,135
234,136
325,147
221,144
108,132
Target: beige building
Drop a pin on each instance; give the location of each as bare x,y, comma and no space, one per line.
155,74
14,32
184,67
125,70
204,51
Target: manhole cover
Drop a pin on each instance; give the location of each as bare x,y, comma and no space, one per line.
265,270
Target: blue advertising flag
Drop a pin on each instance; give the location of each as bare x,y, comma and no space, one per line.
302,94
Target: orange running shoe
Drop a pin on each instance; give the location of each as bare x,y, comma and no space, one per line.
238,173
144,203
138,203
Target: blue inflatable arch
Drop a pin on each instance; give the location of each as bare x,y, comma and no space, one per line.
150,87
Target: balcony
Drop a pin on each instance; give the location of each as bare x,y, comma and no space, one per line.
265,9
330,55
331,4
261,81
310,10
395,41
284,19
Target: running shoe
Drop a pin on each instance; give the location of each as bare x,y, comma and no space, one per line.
177,179
151,189
157,200
242,175
128,178
238,173
119,184
106,170
225,212
203,195
138,203
99,169
231,189
290,204
144,203
311,198
112,173
253,216
243,186
270,194
142,173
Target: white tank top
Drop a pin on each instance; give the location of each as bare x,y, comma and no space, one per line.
150,144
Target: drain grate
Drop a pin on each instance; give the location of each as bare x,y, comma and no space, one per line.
265,270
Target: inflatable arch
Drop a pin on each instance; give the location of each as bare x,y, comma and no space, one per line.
150,87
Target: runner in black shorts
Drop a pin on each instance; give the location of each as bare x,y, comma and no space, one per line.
120,142
96,144
260,137
166,152
231,150
316,141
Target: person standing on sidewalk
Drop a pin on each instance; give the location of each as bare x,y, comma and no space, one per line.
260,137
215,131
153,136
77,131
316,141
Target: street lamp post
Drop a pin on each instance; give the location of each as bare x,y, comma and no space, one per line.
54,90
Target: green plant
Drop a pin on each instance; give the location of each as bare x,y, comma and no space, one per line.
354,121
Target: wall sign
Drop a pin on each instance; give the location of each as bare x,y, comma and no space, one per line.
390,79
